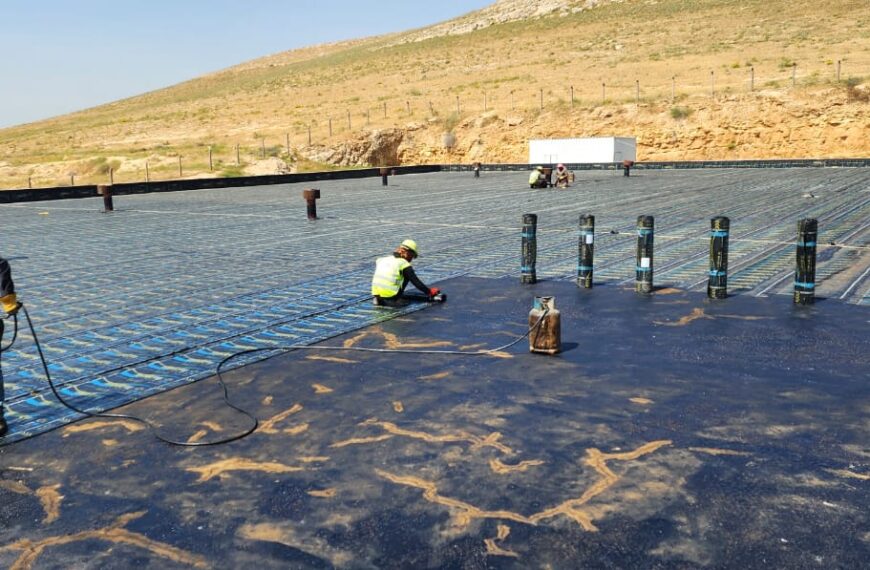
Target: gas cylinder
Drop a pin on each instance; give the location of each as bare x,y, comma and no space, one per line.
545,336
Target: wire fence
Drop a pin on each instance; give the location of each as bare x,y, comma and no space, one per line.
449,107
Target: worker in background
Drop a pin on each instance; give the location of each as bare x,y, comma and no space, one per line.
9,306
561,176
537,179
392,274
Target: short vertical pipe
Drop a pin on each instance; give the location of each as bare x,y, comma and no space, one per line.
717,283
586,250
106,192
644,270
805,270
311,195
210,161
530,248
147,173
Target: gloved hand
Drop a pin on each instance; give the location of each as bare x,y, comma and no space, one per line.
10,304
434,291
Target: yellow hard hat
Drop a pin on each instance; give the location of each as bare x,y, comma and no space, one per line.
411,245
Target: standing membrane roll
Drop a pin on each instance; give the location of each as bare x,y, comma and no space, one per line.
717,284
644,270
586,250
805,263
530,248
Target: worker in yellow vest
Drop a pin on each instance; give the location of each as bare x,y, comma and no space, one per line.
9,305
537,178
392,274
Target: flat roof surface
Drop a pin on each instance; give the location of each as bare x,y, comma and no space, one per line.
155,295
671,432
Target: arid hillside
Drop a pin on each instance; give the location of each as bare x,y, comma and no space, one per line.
691,79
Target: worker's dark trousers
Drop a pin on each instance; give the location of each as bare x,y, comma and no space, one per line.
400,300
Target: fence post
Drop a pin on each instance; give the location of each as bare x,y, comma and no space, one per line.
210,163
72,179
457,105
385,109
512,99
287,140
408,106
572,96
30,181
111,175
838,70
673,88
238,156
309,134
180,171
637,92
793,73
349,125
712,83
330,126
603,93
542,99
752,78
485,102
263,146
147,173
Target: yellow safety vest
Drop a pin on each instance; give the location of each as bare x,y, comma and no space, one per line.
533,177
387,280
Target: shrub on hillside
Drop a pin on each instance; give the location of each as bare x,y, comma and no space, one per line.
680,112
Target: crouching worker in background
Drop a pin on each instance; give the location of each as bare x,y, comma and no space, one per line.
392,274
9,306
537,179
562,176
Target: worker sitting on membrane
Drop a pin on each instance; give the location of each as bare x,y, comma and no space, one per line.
537,179
562,176
392,274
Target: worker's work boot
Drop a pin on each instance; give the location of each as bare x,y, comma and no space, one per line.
3,427
377,301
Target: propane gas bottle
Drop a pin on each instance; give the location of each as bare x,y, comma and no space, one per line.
545,324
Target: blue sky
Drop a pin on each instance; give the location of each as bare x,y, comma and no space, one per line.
58,56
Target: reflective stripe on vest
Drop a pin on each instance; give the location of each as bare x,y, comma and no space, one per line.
387,280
